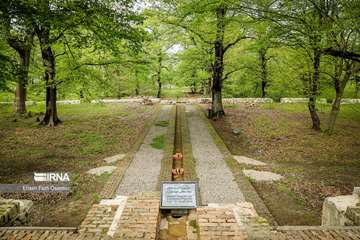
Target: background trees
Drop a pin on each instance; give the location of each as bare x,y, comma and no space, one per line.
59,25
96,49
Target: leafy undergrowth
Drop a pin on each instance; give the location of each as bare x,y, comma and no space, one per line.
89,133
315,165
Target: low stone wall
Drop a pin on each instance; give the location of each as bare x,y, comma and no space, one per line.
31,103
128,100
301,100
350,101
193,101
247,100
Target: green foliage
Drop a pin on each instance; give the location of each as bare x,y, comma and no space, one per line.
105,52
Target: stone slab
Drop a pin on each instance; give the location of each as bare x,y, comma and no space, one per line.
101,170
115,158
249,161
262,176
334,209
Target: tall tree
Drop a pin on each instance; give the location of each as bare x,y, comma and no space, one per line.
19,35
85,22
311,25
217,24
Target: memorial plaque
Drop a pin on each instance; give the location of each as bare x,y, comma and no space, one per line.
178,195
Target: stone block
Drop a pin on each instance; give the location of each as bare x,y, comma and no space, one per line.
101,170
8,213
114,159
249,161
334,210
262,176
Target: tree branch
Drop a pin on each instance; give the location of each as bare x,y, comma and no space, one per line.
108,63
60,54
234,42
342,54
231,72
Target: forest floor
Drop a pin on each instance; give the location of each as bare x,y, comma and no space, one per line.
315,165
89,133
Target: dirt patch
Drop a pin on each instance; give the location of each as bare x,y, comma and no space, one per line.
315,165
89,134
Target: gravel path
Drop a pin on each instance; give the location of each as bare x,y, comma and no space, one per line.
216,181
144,170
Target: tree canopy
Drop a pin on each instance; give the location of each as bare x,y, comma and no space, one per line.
97,49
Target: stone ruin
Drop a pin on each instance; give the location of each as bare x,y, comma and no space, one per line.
14,212
342,210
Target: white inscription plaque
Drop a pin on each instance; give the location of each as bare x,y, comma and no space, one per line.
178,195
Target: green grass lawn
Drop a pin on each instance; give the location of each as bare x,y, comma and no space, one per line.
88,134
173,92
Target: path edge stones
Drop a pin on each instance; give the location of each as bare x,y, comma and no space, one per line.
111,186
249,192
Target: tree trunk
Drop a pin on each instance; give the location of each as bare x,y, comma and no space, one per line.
158,79
314,81
158,95
193,83
50,117
340,85
20,92
137,84
137,90
217,109
357,87
334,112
263,71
